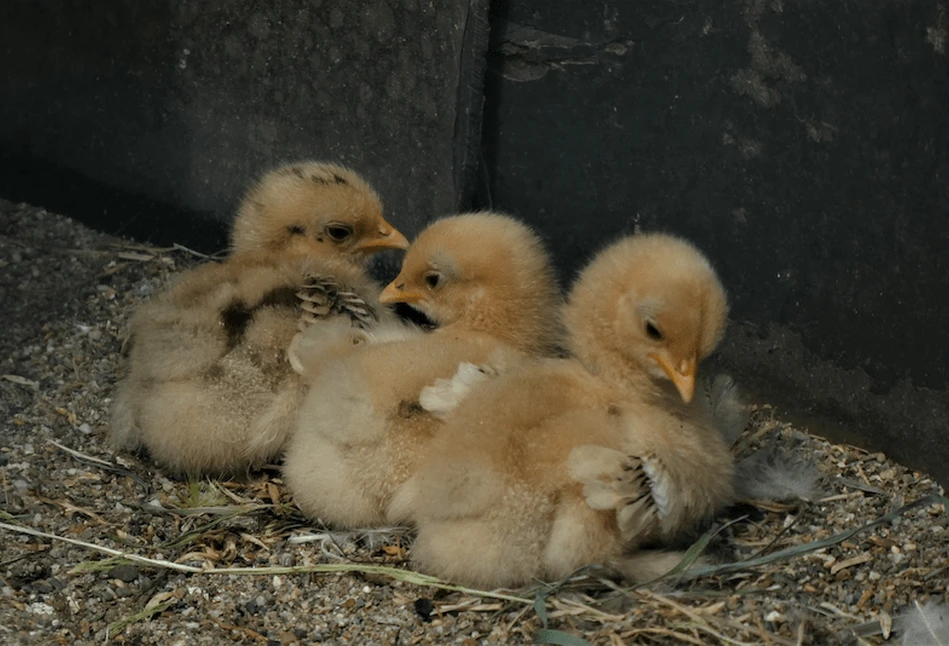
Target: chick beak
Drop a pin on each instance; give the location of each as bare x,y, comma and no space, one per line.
387,237
395,293
682,376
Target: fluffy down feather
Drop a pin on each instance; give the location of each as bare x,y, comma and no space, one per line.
209,388
487,282
560,463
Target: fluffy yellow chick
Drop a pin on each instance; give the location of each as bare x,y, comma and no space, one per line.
560,463
209,388
486,281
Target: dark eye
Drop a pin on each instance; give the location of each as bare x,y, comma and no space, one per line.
339,232
432,279
296,230
653,332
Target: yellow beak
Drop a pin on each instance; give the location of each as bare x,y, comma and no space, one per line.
388,238
395,293
682,376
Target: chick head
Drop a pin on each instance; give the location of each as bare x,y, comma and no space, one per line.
483,272
313,209
649,302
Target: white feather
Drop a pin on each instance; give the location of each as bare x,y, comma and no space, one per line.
444,395
775,474
925,625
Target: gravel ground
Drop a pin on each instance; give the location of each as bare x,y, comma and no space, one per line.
66,500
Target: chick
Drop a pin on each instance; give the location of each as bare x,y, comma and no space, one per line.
560,463
208,387
486,281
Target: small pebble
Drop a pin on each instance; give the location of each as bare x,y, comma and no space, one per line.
41,609
124,573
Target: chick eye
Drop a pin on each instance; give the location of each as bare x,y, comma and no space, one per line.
296,230
433,279
653,332
339,232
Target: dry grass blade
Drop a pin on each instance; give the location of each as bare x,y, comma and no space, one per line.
217,510
695,550
702,623
82,456
470,605
407,576
99,462
22,381
70,508
196,254
134,255
558,638
144,560
548,635
799,550
102,565
148,612
571,607
853,484
685,638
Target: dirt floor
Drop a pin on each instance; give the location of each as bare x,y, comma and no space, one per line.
232,562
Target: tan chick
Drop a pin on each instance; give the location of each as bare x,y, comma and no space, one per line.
209,388
562,463
486,281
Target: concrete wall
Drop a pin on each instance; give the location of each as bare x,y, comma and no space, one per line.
175,106
804,145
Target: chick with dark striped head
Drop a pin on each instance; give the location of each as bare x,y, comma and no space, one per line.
208,386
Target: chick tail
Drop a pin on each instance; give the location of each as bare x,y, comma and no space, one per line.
773,473
271,429
123,431
722,401
401,508
648,565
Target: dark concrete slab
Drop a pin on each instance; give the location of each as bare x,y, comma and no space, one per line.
125,113
803,145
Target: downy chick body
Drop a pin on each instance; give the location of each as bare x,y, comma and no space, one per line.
208,385
486,281
561,463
